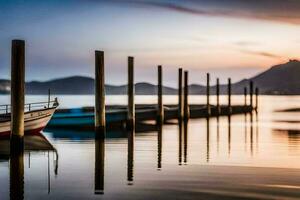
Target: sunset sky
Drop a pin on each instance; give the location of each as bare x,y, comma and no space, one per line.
236,38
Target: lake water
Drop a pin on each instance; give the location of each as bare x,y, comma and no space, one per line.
242,157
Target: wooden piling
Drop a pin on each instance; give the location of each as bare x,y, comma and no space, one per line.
251,94
207,94
256,98
160,117
130,93
229,96
17,88
218,96
180,96
99,90
186,94
245,96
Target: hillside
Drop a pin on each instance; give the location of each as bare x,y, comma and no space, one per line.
81,85
279,79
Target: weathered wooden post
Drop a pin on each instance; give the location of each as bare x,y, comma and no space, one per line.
207,94
186,95
256,98
17,89
180,97
130,91
251,94
229,96
160,117
218,96
99,163
245,97
99,91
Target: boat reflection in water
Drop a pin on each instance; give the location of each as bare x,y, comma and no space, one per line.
15,150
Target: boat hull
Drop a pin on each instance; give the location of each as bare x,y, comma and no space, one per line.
34,122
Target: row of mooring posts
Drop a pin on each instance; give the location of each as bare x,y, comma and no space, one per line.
183,94
17,92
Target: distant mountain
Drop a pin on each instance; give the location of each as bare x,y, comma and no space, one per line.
279,79
81,85
69,85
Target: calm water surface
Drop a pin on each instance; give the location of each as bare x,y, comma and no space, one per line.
242,157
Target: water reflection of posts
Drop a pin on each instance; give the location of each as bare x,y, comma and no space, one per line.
29,160
218,133
256,132
56,163
16,171
185,141
229,134
180,96
159,146
49,179
160,114
207,140
245,130
130,91
180,143
99,161
130,156
207,94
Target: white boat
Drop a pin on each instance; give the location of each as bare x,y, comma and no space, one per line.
36,117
